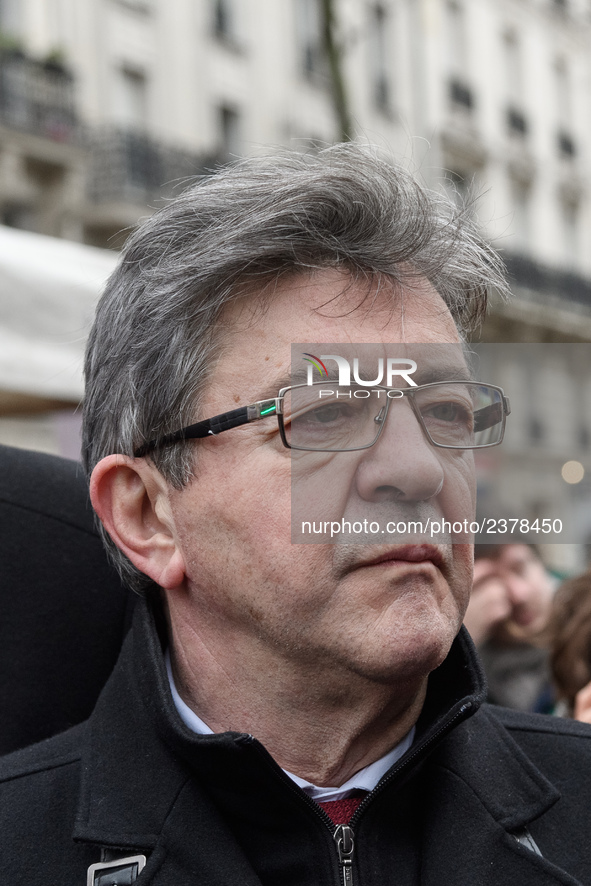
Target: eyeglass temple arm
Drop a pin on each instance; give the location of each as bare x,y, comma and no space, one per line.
212,426
491,415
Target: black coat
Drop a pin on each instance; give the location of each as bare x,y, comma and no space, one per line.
63,609
213,810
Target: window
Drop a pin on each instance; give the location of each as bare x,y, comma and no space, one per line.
570,233
516,121
132,98
566,145
460,93
562,92
379,54
513,67
520,203
515,118
229,131
223,20
563,108
457,56
310,37
513,87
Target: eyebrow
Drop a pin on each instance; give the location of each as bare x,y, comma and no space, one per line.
447,372
284,381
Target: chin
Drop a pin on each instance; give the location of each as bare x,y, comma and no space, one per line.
409,658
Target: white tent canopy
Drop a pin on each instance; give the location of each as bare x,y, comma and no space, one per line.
48,291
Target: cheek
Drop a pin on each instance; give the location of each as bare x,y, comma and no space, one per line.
458,496
239,522
320,486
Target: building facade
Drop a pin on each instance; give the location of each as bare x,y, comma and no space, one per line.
103,102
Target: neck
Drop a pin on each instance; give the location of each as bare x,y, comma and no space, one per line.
322,723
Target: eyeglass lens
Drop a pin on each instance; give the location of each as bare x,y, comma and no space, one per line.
463,415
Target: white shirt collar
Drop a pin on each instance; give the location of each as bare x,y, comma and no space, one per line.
365,780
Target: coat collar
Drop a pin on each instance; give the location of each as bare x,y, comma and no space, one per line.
135,729
510,786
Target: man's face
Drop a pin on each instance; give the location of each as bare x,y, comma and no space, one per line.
528,589
382,611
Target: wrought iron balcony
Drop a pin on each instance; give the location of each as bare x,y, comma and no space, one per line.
539,278
132,167
37,97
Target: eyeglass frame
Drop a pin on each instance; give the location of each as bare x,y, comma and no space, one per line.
225,421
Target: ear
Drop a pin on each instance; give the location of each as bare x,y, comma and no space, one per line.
131,499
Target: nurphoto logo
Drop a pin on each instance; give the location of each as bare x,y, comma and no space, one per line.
393,367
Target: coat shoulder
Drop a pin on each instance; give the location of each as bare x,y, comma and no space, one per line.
560,749
542,728
45,756
39,789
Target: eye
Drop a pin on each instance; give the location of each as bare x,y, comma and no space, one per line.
449,412
327,414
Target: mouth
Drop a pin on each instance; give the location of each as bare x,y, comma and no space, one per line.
398,554
523,619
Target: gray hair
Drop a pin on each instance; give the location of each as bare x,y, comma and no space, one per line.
153,343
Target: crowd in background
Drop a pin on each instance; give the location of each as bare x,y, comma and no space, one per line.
534,640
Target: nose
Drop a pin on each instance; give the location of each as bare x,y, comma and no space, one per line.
518,588
402,465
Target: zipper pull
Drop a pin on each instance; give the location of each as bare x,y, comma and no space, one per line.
343,837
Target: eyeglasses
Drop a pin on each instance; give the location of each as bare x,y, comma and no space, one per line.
318,418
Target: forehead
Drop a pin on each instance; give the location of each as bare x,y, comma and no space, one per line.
254,357
517,555
329,306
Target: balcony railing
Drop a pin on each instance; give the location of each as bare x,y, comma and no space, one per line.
132,167
37,97
548,281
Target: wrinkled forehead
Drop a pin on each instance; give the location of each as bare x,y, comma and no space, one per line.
344,307
329,306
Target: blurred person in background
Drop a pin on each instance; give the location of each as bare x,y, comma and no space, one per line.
569,637
508,611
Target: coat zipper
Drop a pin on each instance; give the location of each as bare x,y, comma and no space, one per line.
344,838
459,715
344,835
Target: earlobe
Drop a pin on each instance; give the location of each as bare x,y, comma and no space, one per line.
131,499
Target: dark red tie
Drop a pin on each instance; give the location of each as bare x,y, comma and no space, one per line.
341,811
